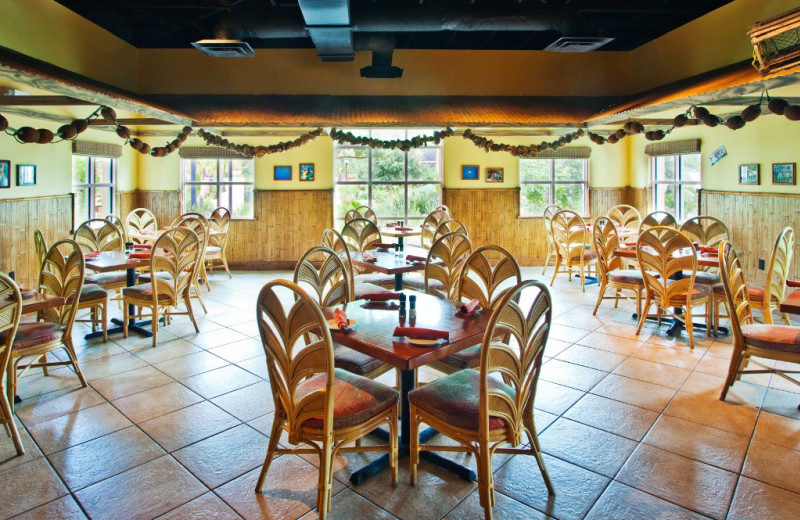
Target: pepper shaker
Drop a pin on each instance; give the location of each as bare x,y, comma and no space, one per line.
402,299
412,307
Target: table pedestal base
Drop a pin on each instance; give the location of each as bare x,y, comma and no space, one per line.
137,327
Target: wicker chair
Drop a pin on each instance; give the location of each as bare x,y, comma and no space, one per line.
571,240
658,218
610,268
706,231
443,267
217,248
316,404
753,342
359,283
61,275
361,212
547,220
10,315
361,234
660,262
486,413
449,226
197,223
430,224
488,273
625,216
175,253
101,235
40,244
141,220
121,225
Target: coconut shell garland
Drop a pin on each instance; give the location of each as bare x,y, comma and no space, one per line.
659,135
649,135
45,136
186,130
136,143
792,112
620,133
680,120
108,114
613,139
735,122
123,132
700,112
710,120
145,149
67,132
777,105
80,125
750,113
3,124
26,134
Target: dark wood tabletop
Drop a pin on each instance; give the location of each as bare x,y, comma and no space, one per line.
376,323
35,303
394,232
114,261
387,263
791,303
703,259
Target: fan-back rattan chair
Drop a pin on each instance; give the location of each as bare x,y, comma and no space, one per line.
571,239
610,269
658,218
197,223
101,235
175,253
547,221
316,404
449,226
61,275
10,315
217,248
40,244
481,412
625,216
753,342
710,232
140,220
664,271
361,212
359,283
430,224
121,225
361,234
445,260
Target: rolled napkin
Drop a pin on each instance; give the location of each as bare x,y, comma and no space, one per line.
143,246
93,254
340,317
381,296
793,283
140,255
404,229
708,250
420,333
368,257
415,258
391,224
469,307
383,245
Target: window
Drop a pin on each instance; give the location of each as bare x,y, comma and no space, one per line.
209,183
93,182
676,179
396,184
553,181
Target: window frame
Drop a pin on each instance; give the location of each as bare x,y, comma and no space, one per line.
218,183
91,186
552,182
677,182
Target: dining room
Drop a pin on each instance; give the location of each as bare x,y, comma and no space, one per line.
334,259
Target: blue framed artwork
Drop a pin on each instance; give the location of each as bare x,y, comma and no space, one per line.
283,173
470,172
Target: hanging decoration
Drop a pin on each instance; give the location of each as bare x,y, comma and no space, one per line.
260,150
397,144
521,150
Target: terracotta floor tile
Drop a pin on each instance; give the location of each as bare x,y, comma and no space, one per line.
93,461
28,486
165,352
64,507
224,456
75,428
612,416
188,425
215,338
38,384
156,402
615,344
587,447
573,376
688,483
568,334
695,441
101,368
347,505
723,415
121,385
779,430
774,465
247,403
576,488
258,367
504,507
220,381
591,357
781,403
555,346
681,358
204,507
8,453
756,500
555,398
145,491
239,350
656,373
543,419
56,404
624,502
635,392
578,321
626,331
193,364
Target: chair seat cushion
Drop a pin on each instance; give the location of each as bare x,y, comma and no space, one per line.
110,278
454,399
698,292
384,280
588,256
781,338
703,277
33,333
417,282
755,293
356,399
630,276
92,292
143,292
718,289
368,288
213,250
161,275
355,362
467,358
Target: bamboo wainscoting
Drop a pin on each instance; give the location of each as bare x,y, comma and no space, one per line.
19,218
754,221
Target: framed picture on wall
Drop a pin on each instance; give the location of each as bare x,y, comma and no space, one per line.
469,172
5,174
283,173
26,175
783,173
494,175
306,171
749,174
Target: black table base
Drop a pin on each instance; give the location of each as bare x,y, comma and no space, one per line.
133,325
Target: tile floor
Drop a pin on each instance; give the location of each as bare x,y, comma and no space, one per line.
632,428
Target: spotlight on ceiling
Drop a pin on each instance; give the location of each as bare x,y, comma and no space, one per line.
225,48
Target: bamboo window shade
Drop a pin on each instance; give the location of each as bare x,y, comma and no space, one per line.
569,152
97,149
673,147
208,152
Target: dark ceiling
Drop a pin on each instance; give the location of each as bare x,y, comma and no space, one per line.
414,24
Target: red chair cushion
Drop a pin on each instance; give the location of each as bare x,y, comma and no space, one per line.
111,278
630,276
781,338
454,399
368,288
356,399
703,277
755,293
92,292
161,275
355,362
588,256
31,334
718,289
698,292
143,292
467,358
417,283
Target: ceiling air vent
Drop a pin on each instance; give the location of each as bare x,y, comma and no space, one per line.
577,44
225,48
776,42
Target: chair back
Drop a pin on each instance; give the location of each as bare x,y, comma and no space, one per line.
430,224
361,212
658,218
359,234
41,246
445,261
705,230
779,264
444,208
197,223
513,346
330,284
606,241
487,274
62,275
176,253
10,315
449,226
626,216
121,225
333,240
660,257
141,220
735,286
219,221
570,236
298,346
99,234
547,220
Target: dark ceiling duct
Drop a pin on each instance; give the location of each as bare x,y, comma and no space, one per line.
382,47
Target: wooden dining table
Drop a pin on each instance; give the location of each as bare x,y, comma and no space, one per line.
35,303
387,263
152,236
372,335
400,234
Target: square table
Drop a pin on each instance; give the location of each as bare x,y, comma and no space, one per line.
400,235
387,263
373,336
37,302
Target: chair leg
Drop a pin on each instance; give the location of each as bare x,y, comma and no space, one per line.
124,320
484,481
44,366
555,269
547,262
200,296
225,265
413,448
643,314
689,325
105,321
786,319
11,383
733,372
154,325
204,274
11,425
271,447
616,298
73,357
600,295
393,444
188,302
536,447
766,311
324,486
